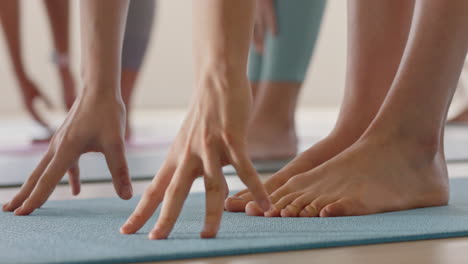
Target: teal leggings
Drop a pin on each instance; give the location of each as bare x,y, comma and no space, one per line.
286,56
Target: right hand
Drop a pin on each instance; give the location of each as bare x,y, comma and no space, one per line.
213,135
94,124
265,19
31,93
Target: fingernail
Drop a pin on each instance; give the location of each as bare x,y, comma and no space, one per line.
156,234
265,205
127,191
17,211
208,234
124,229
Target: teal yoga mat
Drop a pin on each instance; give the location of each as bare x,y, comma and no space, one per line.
86,231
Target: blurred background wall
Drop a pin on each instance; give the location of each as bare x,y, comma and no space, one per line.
166,78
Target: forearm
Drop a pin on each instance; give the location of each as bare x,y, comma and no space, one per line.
10,20
58,12
102,28
221,36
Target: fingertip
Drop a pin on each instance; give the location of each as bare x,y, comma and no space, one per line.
265,205
5,207
126,192
252,209
76,192
208,234
157,235
126,229
22,211
235,204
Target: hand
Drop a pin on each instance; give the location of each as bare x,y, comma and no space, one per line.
265,19
212,135
93,124
31,93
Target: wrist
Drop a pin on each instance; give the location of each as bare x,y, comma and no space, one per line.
102,92
222,75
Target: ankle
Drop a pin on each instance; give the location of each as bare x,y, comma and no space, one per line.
422,147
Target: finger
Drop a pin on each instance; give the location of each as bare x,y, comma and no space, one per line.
150,200
46,100
174,199
270,19
247,173
29,185
117,163
74,178
215,189
35,115
56,169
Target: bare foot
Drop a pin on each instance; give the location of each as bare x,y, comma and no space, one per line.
269,142
372,176
311,158
460,118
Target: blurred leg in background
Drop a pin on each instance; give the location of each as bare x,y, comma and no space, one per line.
10,14
459,107
137,36
284,38
58,12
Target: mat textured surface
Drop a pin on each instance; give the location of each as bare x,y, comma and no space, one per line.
86,231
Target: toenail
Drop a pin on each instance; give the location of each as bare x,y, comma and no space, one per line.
292,208
309,210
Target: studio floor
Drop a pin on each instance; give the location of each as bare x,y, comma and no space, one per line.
147,123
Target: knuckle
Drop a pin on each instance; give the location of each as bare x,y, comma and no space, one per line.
211,186
229,138
174,189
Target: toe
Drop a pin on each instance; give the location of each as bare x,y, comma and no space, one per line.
342,207
290,211
309,211
319,204
282,204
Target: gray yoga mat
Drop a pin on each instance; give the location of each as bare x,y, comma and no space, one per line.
86,231
144,164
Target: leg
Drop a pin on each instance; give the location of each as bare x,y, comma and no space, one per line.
383,33
460,100
137,36
398,163
285,59
10,20
58,12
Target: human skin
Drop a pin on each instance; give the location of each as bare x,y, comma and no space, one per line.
10,20
398,162
96,121
212,135
383,33
58,13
